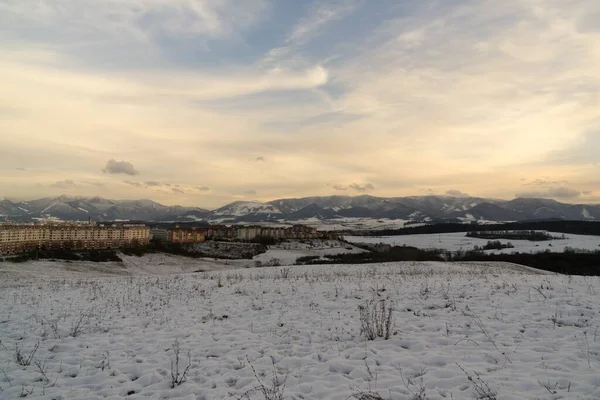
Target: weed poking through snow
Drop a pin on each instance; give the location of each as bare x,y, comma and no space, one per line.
376,319
178,377
23,359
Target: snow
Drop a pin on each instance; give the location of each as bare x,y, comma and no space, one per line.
286,253
22,209
520,331
83,209
239,209
469,217
459,240
49,207
586,214
153,264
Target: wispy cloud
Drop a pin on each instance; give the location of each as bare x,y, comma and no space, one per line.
338,187
64,184
70,184
134,184
308,28
545,182
138,19
456,193
560,192
367,187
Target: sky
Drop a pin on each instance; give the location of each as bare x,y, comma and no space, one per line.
204,102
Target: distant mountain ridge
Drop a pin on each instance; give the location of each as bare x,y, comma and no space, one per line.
413,208
95,208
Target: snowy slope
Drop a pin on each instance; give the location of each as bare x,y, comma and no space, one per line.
522,334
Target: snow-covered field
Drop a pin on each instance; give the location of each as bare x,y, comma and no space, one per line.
459,240
286,253
149,264
516,333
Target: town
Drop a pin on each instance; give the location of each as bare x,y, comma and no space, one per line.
17,238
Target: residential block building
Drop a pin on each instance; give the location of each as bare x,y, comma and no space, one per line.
180,235
20,238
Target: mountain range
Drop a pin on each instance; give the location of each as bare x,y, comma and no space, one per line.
413,208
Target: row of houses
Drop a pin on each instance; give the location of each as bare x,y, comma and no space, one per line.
222,232
20,238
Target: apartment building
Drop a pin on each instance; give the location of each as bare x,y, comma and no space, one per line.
301,232
179,235
249,232
19,238
159,234
274,232
232,233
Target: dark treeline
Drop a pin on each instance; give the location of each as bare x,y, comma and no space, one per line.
67,255
574,227
189,250
154,246
495,245
568,262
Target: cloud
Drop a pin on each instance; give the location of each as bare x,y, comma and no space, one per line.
96,184
202,188
339,187
156,185
355,186
559,192
545,182
64,184
250,192
456,193
177,190
362,188
175,83
134,184
119,167
578,151
21,169
321,14
134,20
261,158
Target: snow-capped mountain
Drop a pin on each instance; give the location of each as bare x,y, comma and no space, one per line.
415,208
94,208
248,210
427,208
